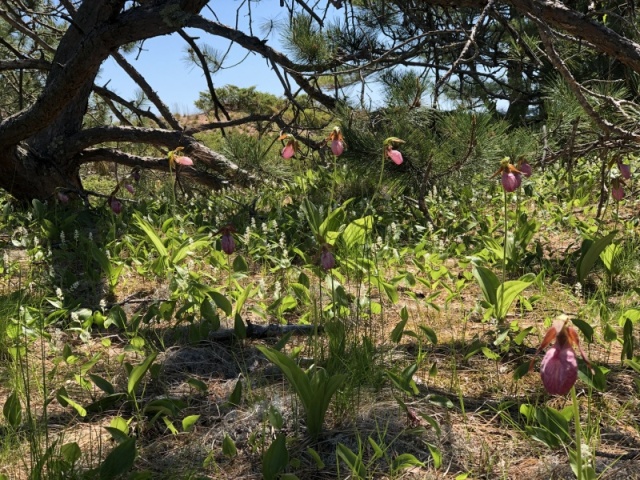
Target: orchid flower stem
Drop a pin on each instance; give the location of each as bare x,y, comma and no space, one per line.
333,185
576,420
504,254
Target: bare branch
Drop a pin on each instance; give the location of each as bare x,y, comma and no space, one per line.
24,63
148,91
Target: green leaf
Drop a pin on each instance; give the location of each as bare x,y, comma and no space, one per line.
188,246
222,302
396,334
440,400
507,293
117,435
355,234
151,234
76,406
488,282
595,380
377,451
236,396
189,422
229,446
591,255
436,455
240,264
102,384
585,328
12,410
353,461
275,459
316,458
627,340
406,460
239,328
70,452
521,371
429,333
120,460
138,372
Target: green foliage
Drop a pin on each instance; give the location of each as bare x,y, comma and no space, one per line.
314,388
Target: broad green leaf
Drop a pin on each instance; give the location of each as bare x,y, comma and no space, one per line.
429,333
239,328
12,410
102,384
584,327
229,446
275,459
396,334
189,422
119,461
236,396
240,264
591,255
507,293
222,302
138,372
488,282
76,406
71,452
406,460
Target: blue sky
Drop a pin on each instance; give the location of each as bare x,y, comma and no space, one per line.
162,60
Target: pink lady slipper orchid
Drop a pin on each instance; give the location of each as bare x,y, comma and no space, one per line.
511,176
525,168
327,260
291,147
559,367
226,241
130,188
115,205
175,158
617,192
63,197
184,161
337,142
625,170
394,155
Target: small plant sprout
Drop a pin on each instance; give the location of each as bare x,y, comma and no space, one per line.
227,241
337,141
394,155
291,146
559,367
510,178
